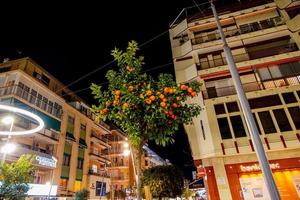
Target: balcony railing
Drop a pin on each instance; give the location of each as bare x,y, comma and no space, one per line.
247,28
98,153
99,137
42,157
250,87
31,99
220,61
98,172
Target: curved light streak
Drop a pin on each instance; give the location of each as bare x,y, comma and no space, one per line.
28,114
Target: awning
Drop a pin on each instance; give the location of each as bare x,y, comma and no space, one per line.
50,123
82,143
70,136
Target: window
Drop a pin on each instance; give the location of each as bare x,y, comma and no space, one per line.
25,92
20,89
80,163
289,97
50,107
224,128
39,100
267,101
45,80
282,120
232,107
298,92
44,103
237,125
82,131
70,125
267,122
220,109
101,188
66,160
295,114
37,75
211,92
32,98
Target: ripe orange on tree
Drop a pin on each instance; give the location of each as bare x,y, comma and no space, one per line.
161,96
130,88
190,90
193,94
148,101
149,93
125,105
166,90
175,105
164,100
107,103
183,87
152,98
163,104
117,92
116,102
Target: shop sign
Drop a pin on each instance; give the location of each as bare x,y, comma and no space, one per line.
45,161
256,167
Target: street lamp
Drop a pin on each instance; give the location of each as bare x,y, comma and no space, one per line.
51,183
7,147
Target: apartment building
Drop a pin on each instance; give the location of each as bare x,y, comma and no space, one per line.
71,151
265,41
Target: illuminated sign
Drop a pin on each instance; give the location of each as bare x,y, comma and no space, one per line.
49,162
256,167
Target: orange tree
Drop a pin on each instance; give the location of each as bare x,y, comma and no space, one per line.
144,108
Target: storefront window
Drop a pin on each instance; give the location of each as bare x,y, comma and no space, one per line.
267,122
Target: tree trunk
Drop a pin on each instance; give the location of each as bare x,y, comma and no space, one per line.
139,153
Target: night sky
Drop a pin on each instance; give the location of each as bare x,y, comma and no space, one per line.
70,40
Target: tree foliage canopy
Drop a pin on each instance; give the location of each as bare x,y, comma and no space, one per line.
144,108
15,178
164,181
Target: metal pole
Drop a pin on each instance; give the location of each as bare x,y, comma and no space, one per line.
259,149
50,184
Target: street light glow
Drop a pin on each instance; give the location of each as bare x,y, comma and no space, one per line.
23,112
8,148
126,145
126,152
7,120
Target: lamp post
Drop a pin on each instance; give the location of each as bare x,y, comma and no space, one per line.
7,147
51,182
253,130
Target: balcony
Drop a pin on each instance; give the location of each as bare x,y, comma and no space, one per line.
246,28
99,139
45,135
98,172
218,60
250,87
99,155
42,159
228,7
16,90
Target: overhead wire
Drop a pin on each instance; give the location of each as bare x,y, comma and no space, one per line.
107,64
112,61
147,70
